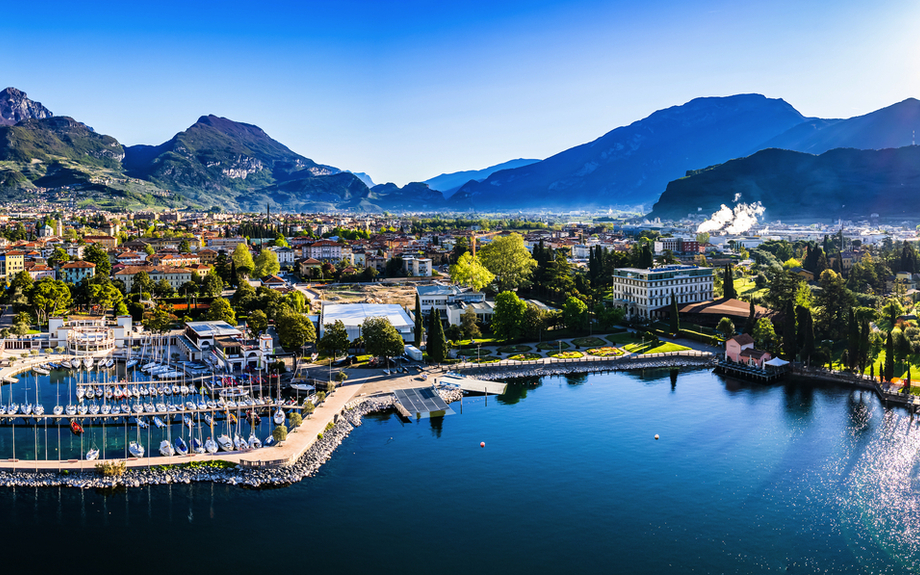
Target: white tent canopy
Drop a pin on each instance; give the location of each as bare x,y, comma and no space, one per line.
776,362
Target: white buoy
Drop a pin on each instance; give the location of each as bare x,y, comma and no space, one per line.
656,436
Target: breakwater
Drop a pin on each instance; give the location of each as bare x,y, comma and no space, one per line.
494,371
305,466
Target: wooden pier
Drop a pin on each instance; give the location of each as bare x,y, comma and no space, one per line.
742,371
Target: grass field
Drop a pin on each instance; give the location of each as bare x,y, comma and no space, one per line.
660,347
588,341
745,286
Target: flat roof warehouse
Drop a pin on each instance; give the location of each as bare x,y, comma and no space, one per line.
354,314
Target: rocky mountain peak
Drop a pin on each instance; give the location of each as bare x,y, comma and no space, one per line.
15,107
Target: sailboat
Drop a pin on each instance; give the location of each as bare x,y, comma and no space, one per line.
88,362
254,440
278,417
166,448
181,446
136,449
41,370
224,442
92,454
210,446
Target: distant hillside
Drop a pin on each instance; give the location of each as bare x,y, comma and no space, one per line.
448,184
364,178
415,197
840,183
216,159
16,107
633,164
891,127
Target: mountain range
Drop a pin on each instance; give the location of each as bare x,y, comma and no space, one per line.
695,153
448,184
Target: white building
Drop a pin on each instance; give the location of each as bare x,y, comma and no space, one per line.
440,296
222,345
417,267
647,292
354,314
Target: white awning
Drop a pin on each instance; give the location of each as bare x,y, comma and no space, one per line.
776,362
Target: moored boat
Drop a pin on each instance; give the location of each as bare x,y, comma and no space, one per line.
75,427
225,443
92,454
210,446
181,446
136,449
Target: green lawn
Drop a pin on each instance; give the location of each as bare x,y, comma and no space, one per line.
626,337
660,347
745,286
513,349
589,341
551,345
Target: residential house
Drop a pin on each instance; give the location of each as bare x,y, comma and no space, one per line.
74,272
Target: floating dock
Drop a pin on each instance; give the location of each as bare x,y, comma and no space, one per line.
420,402
474,385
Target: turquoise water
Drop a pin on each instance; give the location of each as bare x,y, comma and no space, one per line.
744,479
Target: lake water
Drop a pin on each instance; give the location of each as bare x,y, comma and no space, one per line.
744,479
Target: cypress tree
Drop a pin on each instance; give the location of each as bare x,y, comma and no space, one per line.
419,330
806,327
751,320
437,344
872,372
853,340
675,317
789,335
889,358
233,278
728,285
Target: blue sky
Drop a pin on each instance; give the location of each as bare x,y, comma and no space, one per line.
407,90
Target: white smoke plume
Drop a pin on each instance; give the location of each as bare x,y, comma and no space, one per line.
733,221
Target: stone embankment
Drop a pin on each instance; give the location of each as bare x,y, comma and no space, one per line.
539,370
305,466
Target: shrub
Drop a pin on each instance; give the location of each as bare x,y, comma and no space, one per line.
280,433
342,376
111,469
320,397
701,337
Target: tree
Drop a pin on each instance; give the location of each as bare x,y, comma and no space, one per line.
764,336
280,433
58,257
212,285
728,285
889,358
184,246
507,316
162,289
675,315
833,301
266,264
308,407
242,259
461,247
790,341
244,295
806,333
381,338
257,322
158,320
726,327
609,316
469,323
508,259
96,254
105,295
575,314
335,338
49,297
221,310
470,272
437,343
142,283
751,320
148,249
222,267
419,328
295,330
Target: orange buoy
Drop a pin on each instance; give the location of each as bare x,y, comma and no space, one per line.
482,444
